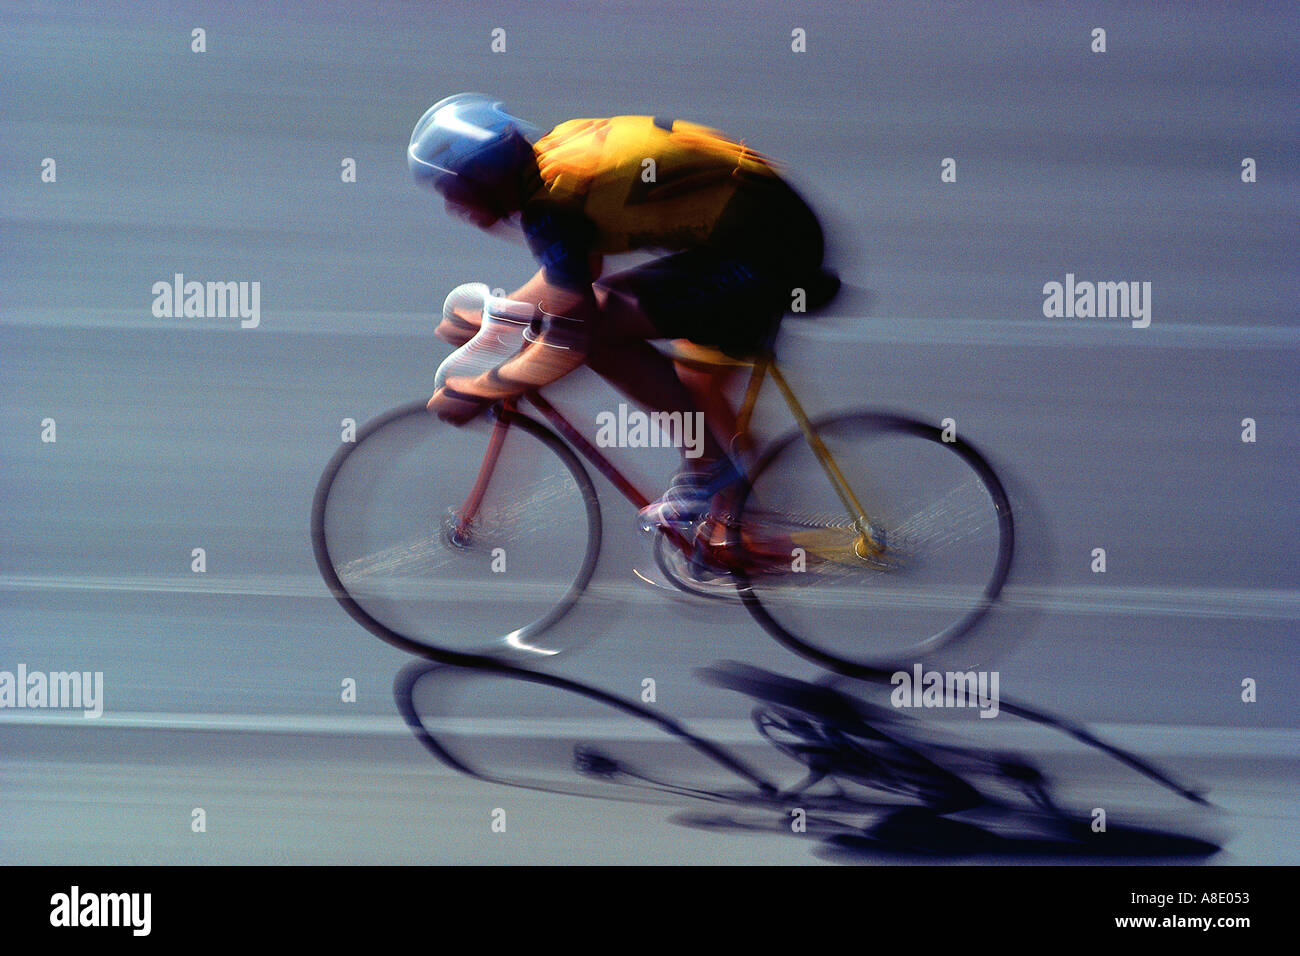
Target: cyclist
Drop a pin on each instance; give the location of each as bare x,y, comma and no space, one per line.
739,242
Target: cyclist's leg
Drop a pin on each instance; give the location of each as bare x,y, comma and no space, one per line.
710,387
708,297
704,296
620,352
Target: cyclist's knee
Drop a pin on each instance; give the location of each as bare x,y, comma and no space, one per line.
703,379
622,318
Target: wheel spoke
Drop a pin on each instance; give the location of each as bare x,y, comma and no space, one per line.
392,540
941,520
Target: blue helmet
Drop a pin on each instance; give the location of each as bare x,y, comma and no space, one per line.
467,145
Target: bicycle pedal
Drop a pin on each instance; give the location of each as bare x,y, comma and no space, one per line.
684,528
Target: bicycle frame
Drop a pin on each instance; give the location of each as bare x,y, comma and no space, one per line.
866,544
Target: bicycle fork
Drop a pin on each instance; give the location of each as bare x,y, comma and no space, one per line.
469,510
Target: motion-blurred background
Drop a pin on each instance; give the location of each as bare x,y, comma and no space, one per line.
223,688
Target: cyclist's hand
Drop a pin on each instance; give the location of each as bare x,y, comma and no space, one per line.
456,408
462,313
459,325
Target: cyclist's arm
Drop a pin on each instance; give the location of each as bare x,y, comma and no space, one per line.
459,327
562,241
562,238
560,346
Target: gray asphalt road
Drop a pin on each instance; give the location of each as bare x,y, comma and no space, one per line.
177,433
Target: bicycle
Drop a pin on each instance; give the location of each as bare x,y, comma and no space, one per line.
859,520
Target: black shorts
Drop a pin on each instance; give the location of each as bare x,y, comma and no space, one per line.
732,292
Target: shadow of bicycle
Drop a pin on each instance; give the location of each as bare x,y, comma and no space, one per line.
812,760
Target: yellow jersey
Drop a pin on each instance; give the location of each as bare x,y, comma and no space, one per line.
642,181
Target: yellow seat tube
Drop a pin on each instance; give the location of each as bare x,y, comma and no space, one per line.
824,457
744,440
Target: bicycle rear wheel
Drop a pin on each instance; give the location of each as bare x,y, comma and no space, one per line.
948,535
389,541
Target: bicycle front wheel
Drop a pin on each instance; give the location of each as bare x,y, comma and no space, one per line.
410,562
941,516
